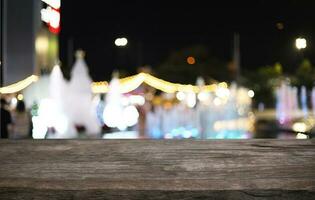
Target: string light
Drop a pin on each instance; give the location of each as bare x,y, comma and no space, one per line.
16,87
127,84
130,83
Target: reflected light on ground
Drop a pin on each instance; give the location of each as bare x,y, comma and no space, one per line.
301,136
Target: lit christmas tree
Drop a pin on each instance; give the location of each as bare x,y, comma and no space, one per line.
79,105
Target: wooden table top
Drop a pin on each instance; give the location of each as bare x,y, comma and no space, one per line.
157,169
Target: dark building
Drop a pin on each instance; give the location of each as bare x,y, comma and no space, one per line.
28,45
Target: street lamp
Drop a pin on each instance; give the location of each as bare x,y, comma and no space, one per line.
121,42
121,53
300,43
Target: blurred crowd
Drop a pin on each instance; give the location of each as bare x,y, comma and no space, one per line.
15,123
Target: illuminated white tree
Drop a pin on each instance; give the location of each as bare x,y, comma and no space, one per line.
117,112
79,105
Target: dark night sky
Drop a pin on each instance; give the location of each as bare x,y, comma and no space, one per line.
155,28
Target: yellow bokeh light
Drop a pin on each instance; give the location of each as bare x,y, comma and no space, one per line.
20,97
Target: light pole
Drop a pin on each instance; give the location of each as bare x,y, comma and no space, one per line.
120,53
301,44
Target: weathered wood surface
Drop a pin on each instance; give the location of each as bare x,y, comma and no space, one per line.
165,169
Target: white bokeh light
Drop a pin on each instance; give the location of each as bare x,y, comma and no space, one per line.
180,96
217,101
112,115
39,128
121,42
301,136
137,100
300,43
251,93
48,112
299,127
61,124
130,116
13,102
222,92
203,96
191,99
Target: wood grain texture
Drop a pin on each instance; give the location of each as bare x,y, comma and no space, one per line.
152,169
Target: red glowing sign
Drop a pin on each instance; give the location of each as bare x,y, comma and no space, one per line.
51,16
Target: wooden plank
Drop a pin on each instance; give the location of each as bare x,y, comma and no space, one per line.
157,169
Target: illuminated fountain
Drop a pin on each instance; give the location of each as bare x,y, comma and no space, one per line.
225,113
286,103
313,100
229,114
303,99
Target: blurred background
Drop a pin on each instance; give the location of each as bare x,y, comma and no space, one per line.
160,70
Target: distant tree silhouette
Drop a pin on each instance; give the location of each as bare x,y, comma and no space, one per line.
177,68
